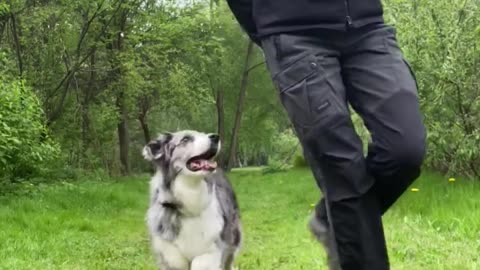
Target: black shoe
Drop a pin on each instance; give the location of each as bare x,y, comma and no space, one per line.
325,236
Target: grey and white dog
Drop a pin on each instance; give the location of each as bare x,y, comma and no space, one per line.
193,218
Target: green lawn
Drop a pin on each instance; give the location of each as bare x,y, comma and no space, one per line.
100,225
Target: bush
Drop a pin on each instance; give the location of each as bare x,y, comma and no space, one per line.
275,166
299,161
25,147
284,146
441,40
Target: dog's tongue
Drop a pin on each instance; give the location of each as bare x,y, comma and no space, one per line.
202,164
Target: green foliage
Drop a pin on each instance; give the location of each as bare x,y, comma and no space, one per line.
441,41
4,9
285,145
284,149
162,66
25,147
275,166
299,161
96,63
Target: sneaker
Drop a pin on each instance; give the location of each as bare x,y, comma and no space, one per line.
325,236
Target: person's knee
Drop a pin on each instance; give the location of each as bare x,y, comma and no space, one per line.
398,156
408,152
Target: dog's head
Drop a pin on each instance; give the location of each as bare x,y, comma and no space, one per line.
188,152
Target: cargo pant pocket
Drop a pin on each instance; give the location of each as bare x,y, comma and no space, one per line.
305,92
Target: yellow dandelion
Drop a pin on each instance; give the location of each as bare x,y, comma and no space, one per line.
415,189
451,180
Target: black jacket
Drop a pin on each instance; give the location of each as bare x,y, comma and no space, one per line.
260,18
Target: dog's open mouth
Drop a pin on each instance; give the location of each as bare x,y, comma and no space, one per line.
203,162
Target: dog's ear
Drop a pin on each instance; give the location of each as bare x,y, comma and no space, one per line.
155,149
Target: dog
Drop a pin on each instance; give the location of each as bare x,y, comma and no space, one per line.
193,218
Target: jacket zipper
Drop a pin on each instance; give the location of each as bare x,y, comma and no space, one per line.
348,19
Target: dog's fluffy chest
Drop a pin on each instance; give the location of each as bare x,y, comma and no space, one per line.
202,223
198,234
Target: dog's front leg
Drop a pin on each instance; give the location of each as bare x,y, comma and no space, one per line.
168,256
209,261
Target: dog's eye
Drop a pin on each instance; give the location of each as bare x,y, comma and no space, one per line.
186,139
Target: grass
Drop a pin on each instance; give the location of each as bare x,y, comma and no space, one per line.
100,225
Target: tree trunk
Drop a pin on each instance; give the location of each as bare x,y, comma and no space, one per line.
219,102
124,144
122,126
87,95
146,130
123,136
240,105
3,24
16,40
85,128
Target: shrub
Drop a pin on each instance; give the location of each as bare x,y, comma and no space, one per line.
299,161
275,165
25,147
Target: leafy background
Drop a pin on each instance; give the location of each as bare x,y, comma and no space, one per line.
85,84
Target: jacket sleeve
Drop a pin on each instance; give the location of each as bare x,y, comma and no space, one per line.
242,10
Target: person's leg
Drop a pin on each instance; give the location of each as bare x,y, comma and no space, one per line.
375,73
307,73
319,226
382,89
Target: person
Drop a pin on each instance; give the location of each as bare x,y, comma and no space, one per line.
324,55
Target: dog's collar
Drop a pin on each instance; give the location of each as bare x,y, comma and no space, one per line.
170,205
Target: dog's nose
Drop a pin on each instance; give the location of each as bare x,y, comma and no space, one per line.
214,138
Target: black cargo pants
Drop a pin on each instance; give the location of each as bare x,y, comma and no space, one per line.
319,72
